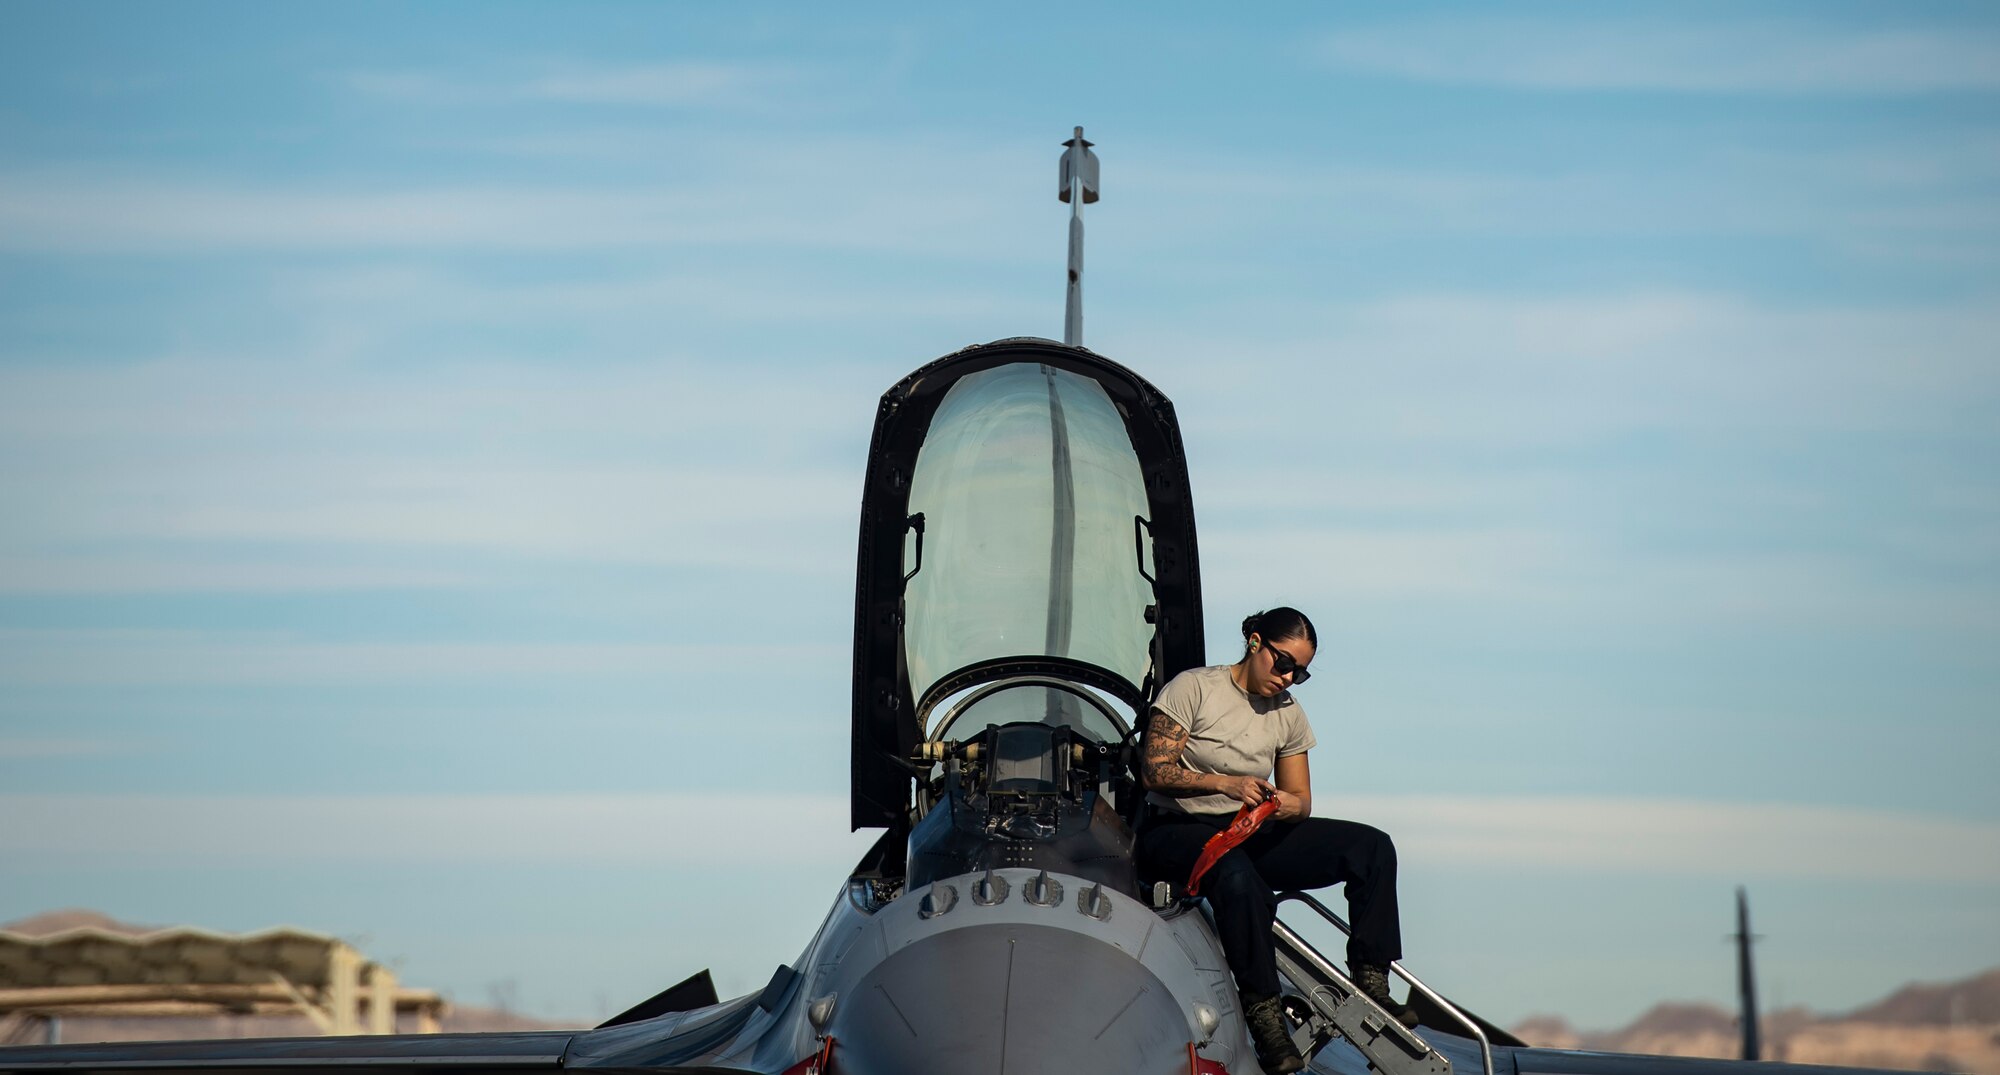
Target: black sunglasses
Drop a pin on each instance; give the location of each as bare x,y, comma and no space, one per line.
1283,663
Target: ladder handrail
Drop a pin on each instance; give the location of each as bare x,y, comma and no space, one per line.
1485,1046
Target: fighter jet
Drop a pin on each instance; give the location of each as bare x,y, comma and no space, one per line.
1027,579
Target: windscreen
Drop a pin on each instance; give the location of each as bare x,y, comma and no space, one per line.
1031,702
1028,487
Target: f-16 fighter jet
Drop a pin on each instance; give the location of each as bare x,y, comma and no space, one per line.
1027,581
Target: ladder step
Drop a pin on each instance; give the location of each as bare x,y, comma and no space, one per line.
1337,1007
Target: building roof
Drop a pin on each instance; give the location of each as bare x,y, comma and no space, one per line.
180,955
74,963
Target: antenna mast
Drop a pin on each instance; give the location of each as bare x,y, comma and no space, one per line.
1079,188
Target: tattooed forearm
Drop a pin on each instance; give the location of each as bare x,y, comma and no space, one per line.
1161,768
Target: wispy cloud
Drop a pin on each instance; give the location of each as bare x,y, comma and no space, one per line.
707,84
1464,367
1599,53
38,749
741,516
308,459
1412,562
742,203
97,215
668,85
1556,458
390,296
832,192
1592,584
192,657
1884,198
809,831
344,464
153,572
1680,837
1585,835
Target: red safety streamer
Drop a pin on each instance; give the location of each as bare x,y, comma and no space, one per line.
818,1063
1201,1065
1239,830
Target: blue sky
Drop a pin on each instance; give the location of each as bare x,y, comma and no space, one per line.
431,439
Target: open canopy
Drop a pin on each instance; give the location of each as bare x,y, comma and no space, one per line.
1026,513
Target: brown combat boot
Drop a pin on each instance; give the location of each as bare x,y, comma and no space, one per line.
1373,981
1275,1052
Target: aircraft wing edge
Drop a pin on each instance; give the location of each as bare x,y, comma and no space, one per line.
330,1065
429,1052
1544,1061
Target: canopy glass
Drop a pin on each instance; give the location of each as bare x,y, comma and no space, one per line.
1044,703
1029,490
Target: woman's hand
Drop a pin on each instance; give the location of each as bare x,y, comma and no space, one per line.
1290,807
1248,790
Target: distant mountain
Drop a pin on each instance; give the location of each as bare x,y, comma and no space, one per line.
1670,1019
1974,1000
1954,1026
41,925
466,1019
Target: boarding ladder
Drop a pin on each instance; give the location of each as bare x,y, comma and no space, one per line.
1334,1006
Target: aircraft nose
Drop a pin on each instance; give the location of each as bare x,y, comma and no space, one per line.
1010,999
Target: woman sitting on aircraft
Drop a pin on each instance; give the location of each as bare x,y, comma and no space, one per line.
1215,740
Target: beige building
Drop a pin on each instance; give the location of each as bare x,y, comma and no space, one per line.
72,976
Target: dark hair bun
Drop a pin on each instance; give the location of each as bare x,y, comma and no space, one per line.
1279,624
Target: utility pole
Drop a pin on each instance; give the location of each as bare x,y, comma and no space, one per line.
1746,975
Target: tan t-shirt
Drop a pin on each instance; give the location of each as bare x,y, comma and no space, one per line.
1230,732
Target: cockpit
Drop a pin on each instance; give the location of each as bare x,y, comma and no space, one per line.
1021,749
1026,581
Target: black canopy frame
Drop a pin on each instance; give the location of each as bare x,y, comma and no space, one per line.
887,720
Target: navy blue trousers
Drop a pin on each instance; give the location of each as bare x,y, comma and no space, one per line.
1309,853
